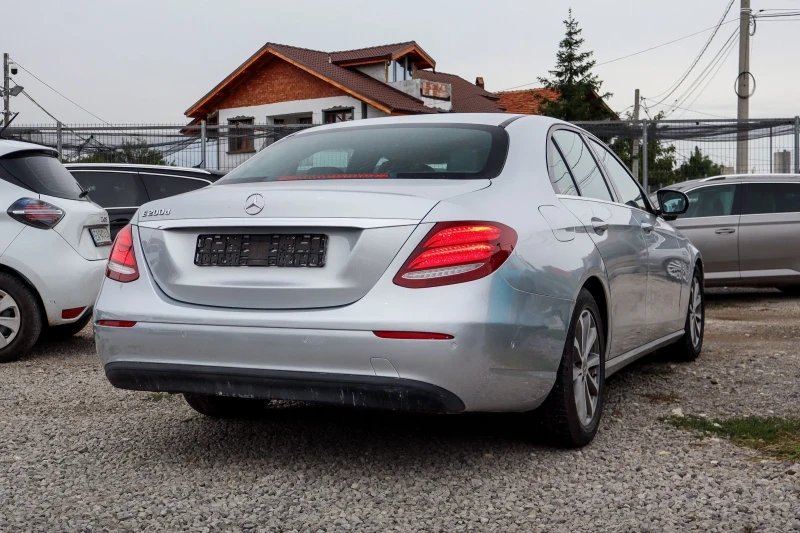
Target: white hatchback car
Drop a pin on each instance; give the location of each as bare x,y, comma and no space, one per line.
54,246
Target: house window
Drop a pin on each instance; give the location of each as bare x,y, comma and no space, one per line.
240,135
401,69
338,115
304,120
278,121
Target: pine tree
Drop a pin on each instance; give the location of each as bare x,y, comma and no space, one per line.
574,82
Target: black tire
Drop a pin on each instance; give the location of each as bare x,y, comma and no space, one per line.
29,313
65,331
226,407
560,410
688,348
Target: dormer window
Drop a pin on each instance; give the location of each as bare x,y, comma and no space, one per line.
401,69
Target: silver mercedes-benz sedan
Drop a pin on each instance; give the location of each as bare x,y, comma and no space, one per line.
441,264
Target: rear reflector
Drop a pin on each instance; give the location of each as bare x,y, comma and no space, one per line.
116,323
122,262
334,177
411,335
455,252
35,213
69,314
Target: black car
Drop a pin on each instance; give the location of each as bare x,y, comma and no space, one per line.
122,188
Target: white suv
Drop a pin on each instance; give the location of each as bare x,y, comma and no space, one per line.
54,246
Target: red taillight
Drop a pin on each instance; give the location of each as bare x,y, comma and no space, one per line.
35,213
411,335
455,252
122,262
75,312
116,323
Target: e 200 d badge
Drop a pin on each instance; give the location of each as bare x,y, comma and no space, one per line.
155,212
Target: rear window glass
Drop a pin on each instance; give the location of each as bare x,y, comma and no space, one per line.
112,189
159,187
408,151
42,174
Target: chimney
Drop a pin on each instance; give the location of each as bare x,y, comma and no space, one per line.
479,82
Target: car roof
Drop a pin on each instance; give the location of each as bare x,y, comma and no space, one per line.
733,178
162,169
9,147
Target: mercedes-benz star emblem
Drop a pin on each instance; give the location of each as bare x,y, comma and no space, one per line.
254,204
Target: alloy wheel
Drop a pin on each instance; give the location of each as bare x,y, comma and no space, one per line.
696,312
9,319
586,367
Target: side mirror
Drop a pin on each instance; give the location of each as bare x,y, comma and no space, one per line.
671,203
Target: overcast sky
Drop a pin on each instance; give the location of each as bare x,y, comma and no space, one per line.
149,60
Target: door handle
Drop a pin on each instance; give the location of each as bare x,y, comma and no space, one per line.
647,227
600,226
725,231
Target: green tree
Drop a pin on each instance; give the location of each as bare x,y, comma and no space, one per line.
661,158
698,166
136,152
574,82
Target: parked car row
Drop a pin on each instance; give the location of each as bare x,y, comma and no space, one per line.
441,264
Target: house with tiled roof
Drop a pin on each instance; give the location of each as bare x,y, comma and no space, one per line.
530,101
282,84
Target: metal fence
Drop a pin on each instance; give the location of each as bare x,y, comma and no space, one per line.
659,152
671,151
198,145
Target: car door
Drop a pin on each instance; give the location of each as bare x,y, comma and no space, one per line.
769,233
119,192
165,185
667,261
712,225
619,238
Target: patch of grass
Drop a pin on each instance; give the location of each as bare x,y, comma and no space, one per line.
773,435
158,396
662,397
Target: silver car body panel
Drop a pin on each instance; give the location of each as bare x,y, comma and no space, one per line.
509,328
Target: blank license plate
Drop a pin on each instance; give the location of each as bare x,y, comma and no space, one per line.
101,236
263,250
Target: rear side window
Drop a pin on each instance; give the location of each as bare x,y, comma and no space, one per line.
766,198
582,165
713,201
112,189
559,174
159,187
42,174
399,151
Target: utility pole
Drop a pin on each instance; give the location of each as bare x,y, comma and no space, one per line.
635,145
6,94
743,89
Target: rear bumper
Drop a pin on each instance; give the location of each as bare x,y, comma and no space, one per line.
339,389
63,279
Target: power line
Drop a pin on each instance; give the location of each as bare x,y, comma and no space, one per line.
724,50
720,63
692,110
675,86
635,53
58,93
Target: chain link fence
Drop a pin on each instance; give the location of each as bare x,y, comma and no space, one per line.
658,152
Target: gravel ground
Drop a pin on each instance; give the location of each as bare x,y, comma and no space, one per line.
78,455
